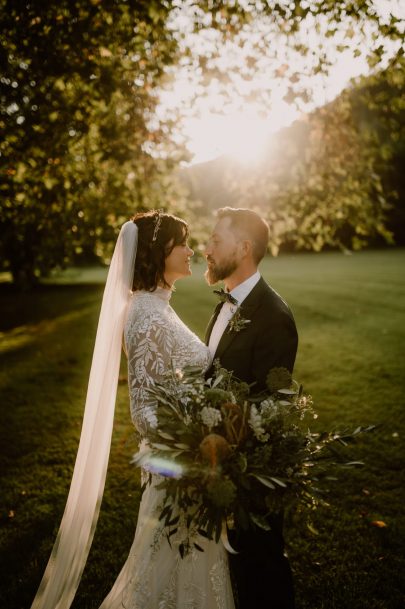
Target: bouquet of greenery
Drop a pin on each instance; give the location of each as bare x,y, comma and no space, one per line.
228,457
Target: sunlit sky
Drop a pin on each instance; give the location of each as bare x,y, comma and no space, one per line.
213,126
244,133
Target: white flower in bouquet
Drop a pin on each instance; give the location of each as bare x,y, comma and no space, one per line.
223,455
211,417
256,424
268,409
187,420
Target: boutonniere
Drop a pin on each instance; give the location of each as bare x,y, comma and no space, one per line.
238,322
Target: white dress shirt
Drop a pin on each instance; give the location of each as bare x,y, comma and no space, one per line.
239,293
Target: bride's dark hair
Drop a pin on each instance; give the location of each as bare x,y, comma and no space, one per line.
158,234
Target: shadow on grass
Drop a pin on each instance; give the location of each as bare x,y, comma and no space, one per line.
350,359
47,337
44,302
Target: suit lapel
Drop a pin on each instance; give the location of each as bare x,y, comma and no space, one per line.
247,309
212,322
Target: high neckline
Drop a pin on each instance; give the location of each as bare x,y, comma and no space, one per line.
163,293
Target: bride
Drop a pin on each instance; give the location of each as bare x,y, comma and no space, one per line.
150,255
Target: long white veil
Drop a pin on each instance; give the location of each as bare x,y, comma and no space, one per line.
69,554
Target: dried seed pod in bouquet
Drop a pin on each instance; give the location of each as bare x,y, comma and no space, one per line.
214,449
234,422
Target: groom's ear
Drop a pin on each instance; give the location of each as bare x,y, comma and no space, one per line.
247,248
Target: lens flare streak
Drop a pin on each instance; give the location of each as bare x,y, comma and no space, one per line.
158,465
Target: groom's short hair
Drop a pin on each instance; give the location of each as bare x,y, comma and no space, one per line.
249,223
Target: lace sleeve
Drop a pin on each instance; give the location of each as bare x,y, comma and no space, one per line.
149,345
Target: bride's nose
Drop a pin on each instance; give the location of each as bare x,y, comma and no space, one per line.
190,252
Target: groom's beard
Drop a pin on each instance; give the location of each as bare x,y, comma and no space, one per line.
219,272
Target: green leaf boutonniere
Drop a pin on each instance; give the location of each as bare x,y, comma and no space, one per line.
238,322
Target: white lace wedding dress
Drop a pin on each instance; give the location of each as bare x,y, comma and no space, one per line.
154,575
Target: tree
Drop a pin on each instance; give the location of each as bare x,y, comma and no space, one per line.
76,98
83,147
342,184
332,179
379,109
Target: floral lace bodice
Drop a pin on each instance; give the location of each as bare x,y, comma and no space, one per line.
156,340
154,575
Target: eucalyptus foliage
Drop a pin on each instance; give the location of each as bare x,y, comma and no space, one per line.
227,457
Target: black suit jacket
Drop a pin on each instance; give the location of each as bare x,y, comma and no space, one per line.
270,339
260,571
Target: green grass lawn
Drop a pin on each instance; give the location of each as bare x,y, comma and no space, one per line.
350,313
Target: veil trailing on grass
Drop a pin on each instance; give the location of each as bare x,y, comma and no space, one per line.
69,554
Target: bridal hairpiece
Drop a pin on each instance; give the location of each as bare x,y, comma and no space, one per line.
157,225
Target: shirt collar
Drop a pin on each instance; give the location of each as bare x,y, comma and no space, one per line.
243,289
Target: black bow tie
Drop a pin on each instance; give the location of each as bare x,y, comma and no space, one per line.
225,296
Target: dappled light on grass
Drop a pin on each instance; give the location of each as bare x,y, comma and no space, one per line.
78,275
42,394
22,336
351,326
15,339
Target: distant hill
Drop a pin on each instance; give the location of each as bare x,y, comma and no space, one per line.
208,182
222,181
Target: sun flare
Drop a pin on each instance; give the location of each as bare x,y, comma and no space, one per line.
242,135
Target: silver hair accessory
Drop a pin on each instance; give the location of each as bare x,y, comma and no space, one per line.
157,225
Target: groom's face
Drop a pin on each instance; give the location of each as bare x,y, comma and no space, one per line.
222,252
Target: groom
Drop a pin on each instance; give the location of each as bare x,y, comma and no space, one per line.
250,349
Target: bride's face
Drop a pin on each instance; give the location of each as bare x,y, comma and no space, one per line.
177,263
